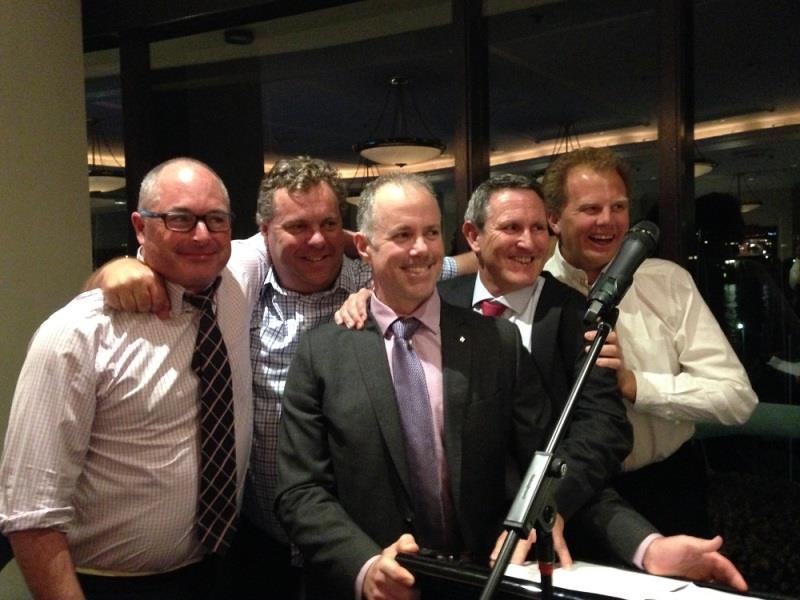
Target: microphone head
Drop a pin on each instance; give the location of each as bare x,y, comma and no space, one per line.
647,233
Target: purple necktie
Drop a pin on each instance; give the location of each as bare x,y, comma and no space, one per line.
417,421
216,510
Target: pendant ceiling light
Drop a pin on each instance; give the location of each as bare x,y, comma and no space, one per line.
364,173
566,141
399,147
102,178
701,165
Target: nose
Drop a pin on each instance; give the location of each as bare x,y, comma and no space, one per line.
201,231
525,239
316,239
420,245
604,216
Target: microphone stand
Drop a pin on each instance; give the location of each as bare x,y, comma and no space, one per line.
534,505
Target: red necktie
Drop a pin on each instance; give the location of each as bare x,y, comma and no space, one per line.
492,308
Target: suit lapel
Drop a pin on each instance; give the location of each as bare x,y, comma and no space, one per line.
545,328
458,291
457,348
369,347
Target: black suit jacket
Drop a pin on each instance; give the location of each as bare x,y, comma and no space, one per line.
599,436
343,488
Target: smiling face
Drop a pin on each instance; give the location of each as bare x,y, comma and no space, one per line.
406,249
513,244
192,259
305,238
594,219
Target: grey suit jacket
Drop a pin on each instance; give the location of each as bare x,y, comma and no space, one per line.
343,490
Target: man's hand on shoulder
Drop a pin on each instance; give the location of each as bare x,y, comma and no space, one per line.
131,286
386,579
694,558
353,313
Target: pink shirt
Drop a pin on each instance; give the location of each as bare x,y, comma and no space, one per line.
427,342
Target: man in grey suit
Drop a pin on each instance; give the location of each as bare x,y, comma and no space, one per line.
506,226
346,494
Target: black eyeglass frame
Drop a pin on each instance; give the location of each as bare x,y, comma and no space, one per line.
166,216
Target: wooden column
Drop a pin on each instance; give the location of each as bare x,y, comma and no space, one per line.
675,129
471,140
137,118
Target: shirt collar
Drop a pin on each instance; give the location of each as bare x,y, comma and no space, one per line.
563,271
428,313
345,280
517,300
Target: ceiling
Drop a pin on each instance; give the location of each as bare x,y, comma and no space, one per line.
592,65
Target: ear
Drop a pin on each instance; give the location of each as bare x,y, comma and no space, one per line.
553,221
471,232
361,243
138,226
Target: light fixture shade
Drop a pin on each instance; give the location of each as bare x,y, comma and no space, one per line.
400,152
105,179
750,205
703,166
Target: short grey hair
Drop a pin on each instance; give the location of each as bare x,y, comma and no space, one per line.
365,218
479,201
298,174
150,189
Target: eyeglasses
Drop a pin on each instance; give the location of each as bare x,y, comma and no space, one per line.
216,221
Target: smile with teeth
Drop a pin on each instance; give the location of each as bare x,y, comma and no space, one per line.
525,260
417,269
602,238
315,258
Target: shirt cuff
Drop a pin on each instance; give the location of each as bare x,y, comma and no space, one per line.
449,268
362,575
638,557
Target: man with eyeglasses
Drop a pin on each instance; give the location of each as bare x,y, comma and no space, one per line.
104,491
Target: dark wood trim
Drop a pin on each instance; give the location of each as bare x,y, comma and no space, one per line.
137,118
471,136
675,129
106,22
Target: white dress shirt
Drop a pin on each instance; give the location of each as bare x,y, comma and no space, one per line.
520,305
685,368
103,440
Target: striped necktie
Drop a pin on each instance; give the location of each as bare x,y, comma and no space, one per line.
217,502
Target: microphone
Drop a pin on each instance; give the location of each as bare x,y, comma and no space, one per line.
611,285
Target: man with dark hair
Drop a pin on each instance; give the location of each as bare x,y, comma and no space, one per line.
506,226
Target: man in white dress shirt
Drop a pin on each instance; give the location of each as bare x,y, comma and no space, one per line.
676,367
101,468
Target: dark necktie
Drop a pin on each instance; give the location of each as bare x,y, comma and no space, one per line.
217,502
417,420
492,308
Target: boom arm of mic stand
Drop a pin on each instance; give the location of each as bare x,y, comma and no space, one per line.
534,504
